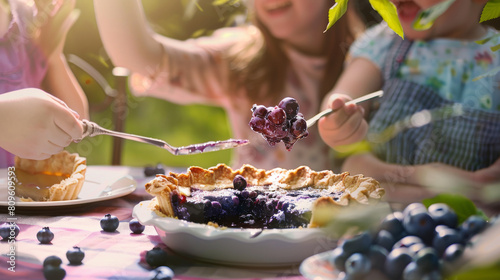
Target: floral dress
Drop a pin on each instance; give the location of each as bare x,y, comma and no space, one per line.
22,65
434,108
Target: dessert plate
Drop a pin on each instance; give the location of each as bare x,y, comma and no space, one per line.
101,183
235,246
319,267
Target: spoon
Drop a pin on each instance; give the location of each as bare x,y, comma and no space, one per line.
91,129
313,120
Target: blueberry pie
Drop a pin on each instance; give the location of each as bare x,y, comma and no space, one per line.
256,198
59,177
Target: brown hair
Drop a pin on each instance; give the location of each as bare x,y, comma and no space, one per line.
260,64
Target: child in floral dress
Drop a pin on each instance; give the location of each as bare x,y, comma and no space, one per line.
441,105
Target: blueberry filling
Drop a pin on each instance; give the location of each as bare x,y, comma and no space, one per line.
253,207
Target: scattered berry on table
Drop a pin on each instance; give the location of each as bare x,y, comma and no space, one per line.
52,260
154,170
51,272
162,273
44,235
135,226
156,257
109,223
9,231
75,255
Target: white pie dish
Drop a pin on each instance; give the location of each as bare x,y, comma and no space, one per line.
235,246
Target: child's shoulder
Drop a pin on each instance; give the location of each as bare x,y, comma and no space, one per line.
374,43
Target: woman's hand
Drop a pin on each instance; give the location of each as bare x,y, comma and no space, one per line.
345,126
35,124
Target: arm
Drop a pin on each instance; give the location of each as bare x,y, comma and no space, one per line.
61,82
54,23
45,127
431,175
348,125
126,36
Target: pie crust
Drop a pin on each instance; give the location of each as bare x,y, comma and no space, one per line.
336,189
70,166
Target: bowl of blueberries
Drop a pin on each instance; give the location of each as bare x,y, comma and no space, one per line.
417,243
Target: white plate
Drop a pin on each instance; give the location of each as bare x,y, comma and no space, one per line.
235,246
101,183
319,267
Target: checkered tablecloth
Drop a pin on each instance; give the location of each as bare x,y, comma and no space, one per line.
118,255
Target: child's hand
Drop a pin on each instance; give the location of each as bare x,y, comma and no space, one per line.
345,126
35,125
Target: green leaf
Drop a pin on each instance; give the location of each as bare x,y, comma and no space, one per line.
463,206
224,2
336,12
490,272
491,10
389,14
425,19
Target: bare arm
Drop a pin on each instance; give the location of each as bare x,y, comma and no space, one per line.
348,124
126,35
437,176
61,82
54,23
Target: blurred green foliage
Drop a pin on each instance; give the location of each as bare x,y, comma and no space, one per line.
176,124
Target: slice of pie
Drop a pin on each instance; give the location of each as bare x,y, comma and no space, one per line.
59,177
276,198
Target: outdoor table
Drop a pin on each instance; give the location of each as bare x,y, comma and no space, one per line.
121,254
116,255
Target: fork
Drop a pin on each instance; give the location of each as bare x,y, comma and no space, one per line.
91,129
313,120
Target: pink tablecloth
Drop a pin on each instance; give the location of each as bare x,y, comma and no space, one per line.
118,255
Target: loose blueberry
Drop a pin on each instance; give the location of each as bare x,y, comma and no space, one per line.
162,273
54,272
357,265
407,242
393,223
75,255
443,215
414,206
385,239
44,235
9,230
357,244
154,170
445,238
52,260
109,223
412,272
420,223
453,252
377,255
156,257
472,226
427,259
396,262
135,226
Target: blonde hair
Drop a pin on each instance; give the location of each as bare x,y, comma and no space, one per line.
260,65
